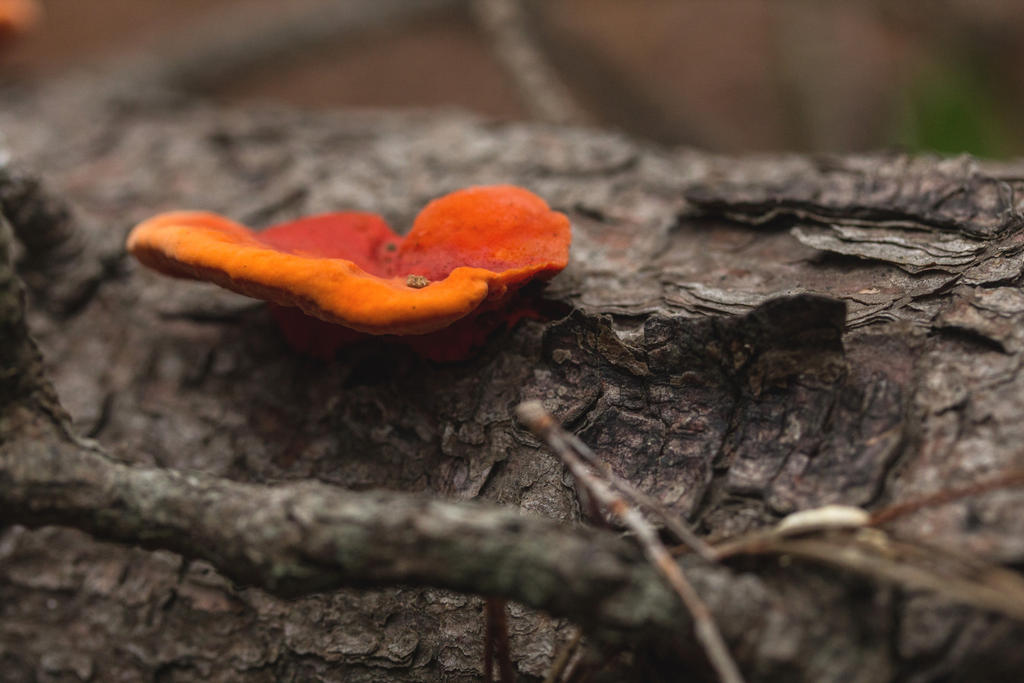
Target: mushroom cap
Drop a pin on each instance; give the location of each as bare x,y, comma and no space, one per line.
474,246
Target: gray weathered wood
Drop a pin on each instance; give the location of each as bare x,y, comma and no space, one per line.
729,413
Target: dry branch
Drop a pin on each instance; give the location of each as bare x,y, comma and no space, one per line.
303,538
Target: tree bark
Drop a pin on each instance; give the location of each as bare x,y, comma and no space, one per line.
739,337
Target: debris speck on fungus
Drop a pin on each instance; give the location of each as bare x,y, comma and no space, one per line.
416,281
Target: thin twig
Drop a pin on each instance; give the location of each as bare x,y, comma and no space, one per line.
670,520
543,90
540,422
871,552
1005,480
496,646
562,659
488,642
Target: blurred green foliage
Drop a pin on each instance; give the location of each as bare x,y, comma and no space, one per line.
950,108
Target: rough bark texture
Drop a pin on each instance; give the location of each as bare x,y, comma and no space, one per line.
679,363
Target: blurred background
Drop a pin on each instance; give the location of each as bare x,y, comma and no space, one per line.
722,75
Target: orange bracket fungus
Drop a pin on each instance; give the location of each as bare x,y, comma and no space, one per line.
17,16
334,278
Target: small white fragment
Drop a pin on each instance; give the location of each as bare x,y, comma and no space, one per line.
820,519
